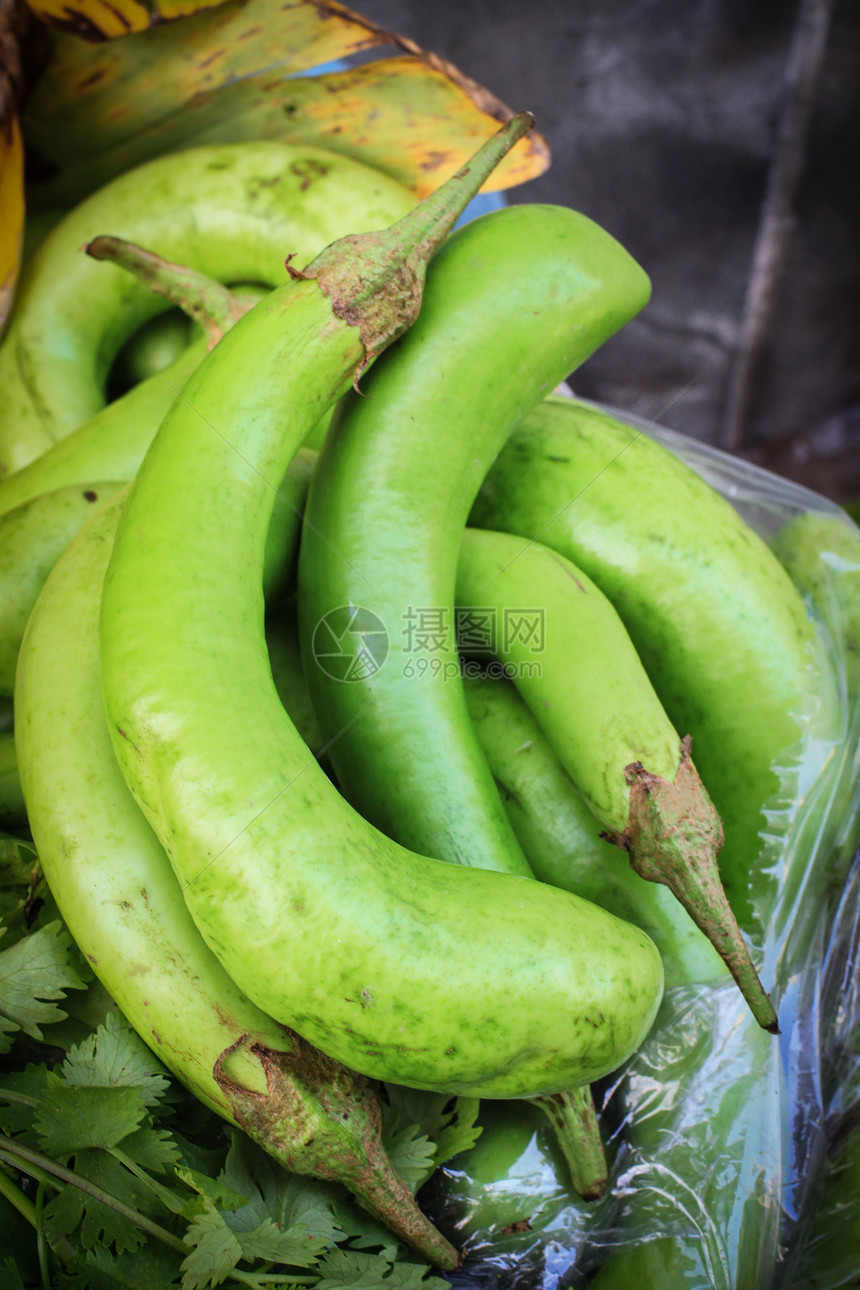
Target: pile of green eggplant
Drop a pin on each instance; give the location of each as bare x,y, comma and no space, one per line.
383,717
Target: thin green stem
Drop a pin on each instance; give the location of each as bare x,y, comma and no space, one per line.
161,1192
271,1278
374,280
428,224
41,1241
6,1095
16,1197
209,303
574,1119
35,1160
38,1166
33,1170
62,1248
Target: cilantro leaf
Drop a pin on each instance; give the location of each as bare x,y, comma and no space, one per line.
214,1189
73,1209
152,1149
352,1270
7,1028
70,1117
87,1009
413,1276
449,1122
17,861
459,1131
10,1277
363,1231
288,1200
215,1252
296,1246
154,1265
33,972
13,914
15,1116
198,1154
411,1153
116,1055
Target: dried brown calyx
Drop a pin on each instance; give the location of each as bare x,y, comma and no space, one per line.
672,836
375,280
322,1119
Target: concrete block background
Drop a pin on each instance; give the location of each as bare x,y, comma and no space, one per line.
662,116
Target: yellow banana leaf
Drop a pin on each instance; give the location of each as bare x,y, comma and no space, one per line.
104,19
12,206
230,73
93,97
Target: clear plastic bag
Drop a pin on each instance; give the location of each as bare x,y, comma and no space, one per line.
716,1132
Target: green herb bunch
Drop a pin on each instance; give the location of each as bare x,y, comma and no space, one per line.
113,1175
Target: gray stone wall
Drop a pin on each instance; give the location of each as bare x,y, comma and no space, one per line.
662,116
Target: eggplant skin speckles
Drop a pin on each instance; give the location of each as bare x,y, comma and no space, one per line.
720,628
231,211
122,903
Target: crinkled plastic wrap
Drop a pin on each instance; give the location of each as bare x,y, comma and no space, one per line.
717,1133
